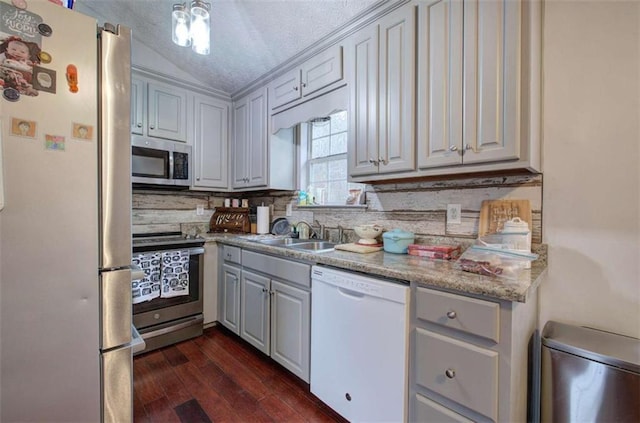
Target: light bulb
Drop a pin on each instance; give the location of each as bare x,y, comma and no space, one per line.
180,25
200,35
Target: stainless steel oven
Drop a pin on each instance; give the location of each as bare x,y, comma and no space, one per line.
165,320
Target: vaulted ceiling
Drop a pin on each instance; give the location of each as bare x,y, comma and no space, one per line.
248,38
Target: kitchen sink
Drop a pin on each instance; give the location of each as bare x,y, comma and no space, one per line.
310,245
314,246
283,241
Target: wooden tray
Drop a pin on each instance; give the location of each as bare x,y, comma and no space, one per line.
230,219
494,213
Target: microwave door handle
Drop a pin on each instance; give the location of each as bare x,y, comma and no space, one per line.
171,165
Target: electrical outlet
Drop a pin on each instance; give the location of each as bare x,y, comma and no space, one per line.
199,210
454,213
289,210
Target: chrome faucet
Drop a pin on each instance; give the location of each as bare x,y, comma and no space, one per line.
320,234
305,233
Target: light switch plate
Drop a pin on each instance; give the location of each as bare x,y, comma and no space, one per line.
454,213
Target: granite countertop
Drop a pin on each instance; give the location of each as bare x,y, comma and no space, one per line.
403,267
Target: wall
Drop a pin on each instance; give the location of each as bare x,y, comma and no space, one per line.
591,164
418,207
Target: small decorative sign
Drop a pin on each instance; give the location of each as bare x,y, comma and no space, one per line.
23,128
54,142
44,79
82,132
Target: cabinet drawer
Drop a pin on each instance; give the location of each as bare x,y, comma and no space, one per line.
231,254
430,411
457,370
470,315
287,270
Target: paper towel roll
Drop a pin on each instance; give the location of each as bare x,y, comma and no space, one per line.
263,219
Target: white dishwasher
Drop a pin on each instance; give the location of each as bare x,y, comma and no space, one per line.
359,339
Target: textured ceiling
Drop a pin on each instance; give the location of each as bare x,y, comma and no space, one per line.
248,37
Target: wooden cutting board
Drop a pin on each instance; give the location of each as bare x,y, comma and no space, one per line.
357,248
494,213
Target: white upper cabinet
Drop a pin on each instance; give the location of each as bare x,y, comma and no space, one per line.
478,86
381,73
158,110
210,143
167,117
304,81
285,89
250,159
439,123
493,36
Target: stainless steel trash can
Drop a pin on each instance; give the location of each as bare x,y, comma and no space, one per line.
589,375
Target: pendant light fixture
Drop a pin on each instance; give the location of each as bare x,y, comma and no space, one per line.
191,26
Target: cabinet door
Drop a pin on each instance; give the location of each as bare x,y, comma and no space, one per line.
210,285
167,112
230,298
254,310
257,139
397,91
210,142
240,148
491,80
361,59
322,70
285,89
290,328
138,118
439,122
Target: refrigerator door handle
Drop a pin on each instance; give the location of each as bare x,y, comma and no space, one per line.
115,148
136,273
116,308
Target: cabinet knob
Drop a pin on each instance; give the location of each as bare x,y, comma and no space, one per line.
272,292
452,314
450,373
152,127
347,396
139,125
453,148
468,147
265,290
373,161
197,179
382,160
304,85
295,88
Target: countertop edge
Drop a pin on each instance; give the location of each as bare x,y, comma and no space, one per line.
408,269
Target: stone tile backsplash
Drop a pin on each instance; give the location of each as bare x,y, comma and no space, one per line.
418,207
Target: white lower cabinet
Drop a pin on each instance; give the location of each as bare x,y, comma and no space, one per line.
229,288
470,358
272,309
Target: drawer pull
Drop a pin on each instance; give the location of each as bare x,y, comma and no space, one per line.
452,314
450,373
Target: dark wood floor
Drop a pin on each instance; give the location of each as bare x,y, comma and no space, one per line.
219,378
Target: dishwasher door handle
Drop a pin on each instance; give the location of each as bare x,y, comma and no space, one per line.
349,293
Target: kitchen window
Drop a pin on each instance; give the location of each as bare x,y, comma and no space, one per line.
325,162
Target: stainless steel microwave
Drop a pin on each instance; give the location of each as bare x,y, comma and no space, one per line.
160,162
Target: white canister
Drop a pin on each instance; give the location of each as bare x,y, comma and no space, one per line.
517,235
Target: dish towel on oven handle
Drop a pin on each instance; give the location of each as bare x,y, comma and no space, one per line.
174,273
147,288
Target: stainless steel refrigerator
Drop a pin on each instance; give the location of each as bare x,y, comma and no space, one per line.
65,225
